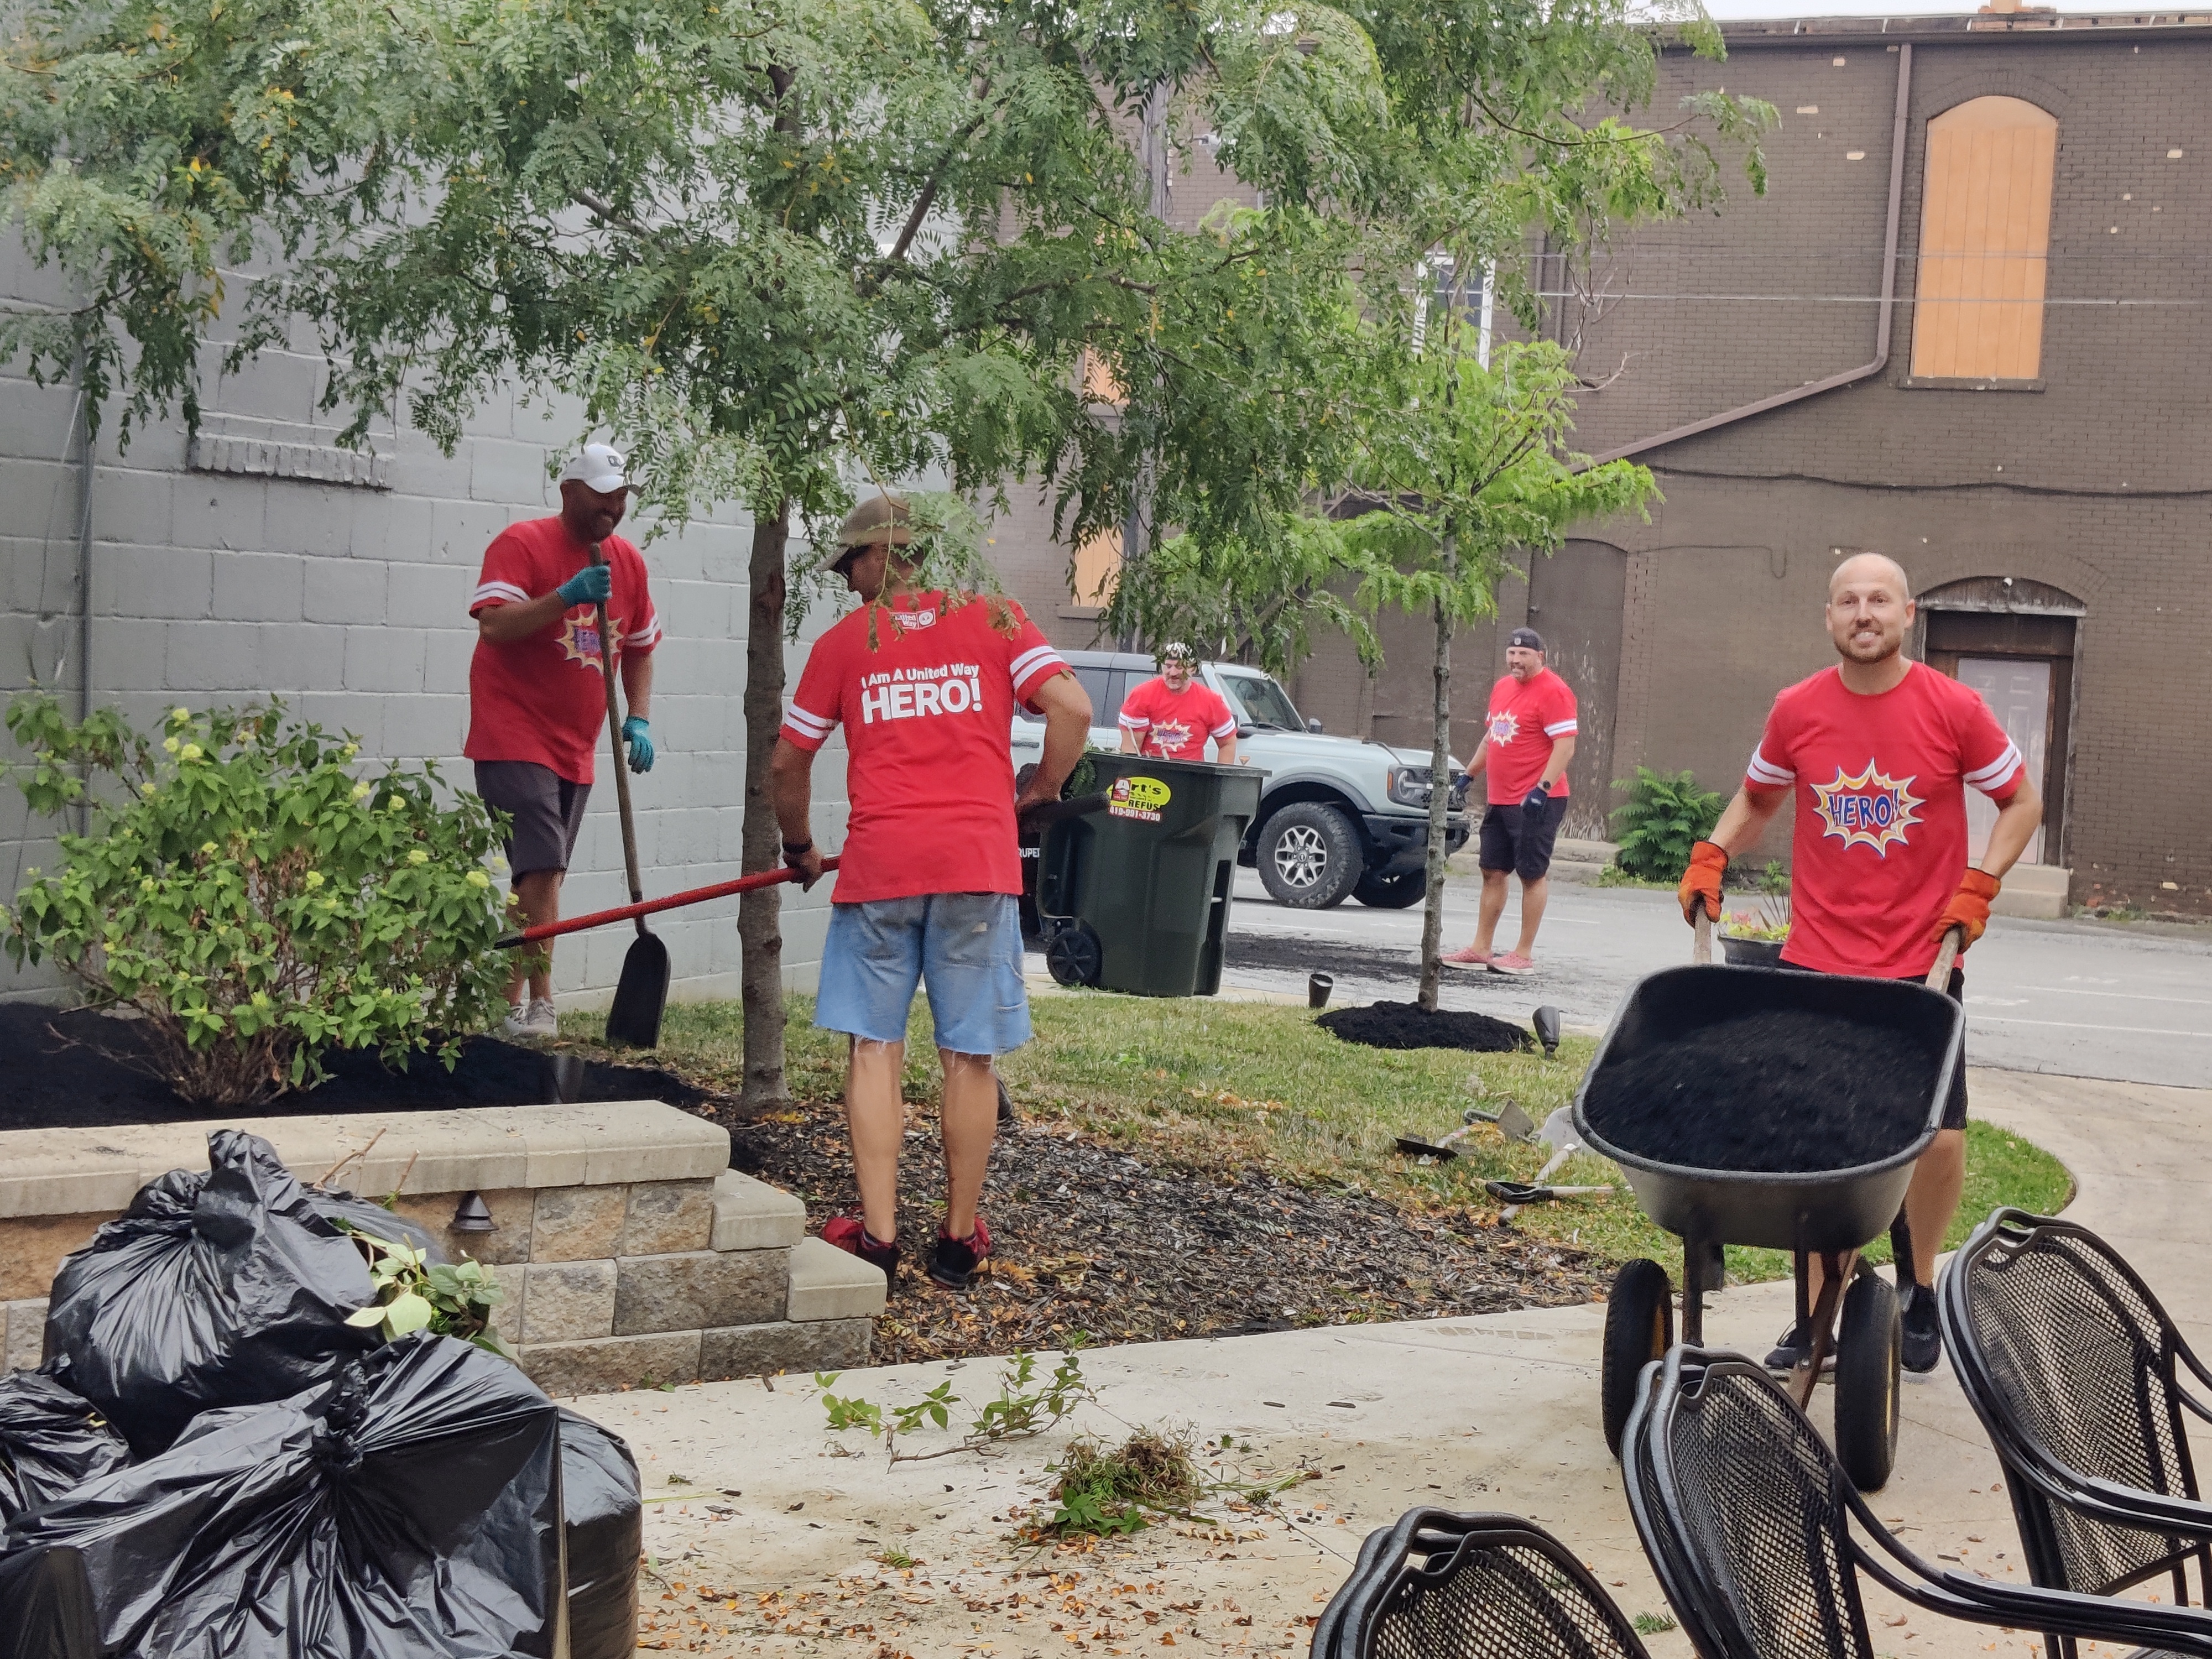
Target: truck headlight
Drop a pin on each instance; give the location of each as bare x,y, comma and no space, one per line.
1408,786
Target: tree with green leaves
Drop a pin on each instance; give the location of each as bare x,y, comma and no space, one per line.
1474,472
780,250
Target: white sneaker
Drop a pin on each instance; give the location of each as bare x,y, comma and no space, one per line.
535,1019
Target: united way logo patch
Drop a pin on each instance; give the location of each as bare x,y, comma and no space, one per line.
1871,810
1503,727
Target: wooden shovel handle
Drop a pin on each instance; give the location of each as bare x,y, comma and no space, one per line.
614,737
1939,976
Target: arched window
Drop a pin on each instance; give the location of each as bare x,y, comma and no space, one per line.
1984,237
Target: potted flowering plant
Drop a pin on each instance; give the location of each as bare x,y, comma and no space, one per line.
1754,938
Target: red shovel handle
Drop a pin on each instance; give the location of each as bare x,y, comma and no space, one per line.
753,882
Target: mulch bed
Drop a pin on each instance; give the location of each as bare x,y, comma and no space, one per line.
1090,1238
1787,1090
1409,1025
75,1070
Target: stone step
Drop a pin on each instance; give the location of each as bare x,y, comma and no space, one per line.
2039,892
1574,860
630,1252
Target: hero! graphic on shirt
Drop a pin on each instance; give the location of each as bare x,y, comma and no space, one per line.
1880,844
543,698
925,688
1526,718
1175,725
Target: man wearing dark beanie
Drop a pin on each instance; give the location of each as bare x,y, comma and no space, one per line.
1528,740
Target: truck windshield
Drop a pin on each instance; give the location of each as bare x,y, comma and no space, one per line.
1259,701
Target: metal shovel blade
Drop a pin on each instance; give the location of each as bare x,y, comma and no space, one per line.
640,995
1415,1147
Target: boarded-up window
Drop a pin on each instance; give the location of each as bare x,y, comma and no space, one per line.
1984,239
1097,567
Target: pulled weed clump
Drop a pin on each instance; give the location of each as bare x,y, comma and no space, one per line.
1107,1494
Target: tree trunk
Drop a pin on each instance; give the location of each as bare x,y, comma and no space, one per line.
1432,913
760,937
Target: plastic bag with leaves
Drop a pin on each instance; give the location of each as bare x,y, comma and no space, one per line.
51,1440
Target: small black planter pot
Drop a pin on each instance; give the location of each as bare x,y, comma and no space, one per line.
1752,952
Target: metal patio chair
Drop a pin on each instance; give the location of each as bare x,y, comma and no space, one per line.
2076,1373
1439,1585
1760,1539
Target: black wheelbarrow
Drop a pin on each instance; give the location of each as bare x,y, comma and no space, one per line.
1827,1213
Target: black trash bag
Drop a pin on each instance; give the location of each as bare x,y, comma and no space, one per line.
606,1539
51,1441
47,1609
230,1288
408,1508
366,1215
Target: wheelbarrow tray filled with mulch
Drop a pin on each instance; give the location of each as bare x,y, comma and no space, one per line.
1781,1110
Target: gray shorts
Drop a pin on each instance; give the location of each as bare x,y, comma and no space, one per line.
547,812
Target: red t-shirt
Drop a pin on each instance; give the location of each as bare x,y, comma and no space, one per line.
543,698
1526,717
925,704
1175,725
1881,839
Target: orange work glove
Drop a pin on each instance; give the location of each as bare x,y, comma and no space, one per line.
1969,906
1702,882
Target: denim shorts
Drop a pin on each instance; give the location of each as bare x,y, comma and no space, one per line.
965,947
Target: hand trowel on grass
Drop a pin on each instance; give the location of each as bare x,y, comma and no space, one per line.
1512,1123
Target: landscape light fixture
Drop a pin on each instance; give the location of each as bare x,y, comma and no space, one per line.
1546,1022
473,1215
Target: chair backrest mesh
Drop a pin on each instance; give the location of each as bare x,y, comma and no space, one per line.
1760,1496
1498,1600
2083,1367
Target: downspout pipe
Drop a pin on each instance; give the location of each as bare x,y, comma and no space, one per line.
1849,376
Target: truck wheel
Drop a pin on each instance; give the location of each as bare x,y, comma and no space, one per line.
1309,856
1398,892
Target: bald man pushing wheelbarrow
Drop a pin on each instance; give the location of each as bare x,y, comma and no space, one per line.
1879,751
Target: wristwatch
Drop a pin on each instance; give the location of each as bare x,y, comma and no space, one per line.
798,850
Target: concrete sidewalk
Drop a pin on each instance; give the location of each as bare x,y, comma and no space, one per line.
770,1541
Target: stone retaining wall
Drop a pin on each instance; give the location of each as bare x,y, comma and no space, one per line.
629,1251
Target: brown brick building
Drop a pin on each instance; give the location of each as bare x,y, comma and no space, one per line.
1970,326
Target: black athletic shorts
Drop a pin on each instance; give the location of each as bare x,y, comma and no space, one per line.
547,810
1513,839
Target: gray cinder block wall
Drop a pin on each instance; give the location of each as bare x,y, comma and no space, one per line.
262,560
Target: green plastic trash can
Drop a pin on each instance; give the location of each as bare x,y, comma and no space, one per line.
1135,897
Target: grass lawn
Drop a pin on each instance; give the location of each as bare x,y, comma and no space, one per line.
1232,1084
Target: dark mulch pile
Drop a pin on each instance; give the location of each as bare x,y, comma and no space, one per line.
1781,1092
74,1069
1090,1238
1409,1025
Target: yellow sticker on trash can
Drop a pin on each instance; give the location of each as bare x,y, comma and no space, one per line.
1138,798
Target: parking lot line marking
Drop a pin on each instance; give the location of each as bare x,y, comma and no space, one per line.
2084,1025
2132,996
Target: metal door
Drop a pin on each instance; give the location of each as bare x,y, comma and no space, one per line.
1575,599
2018,692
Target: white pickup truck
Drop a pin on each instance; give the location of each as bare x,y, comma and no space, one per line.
1340,817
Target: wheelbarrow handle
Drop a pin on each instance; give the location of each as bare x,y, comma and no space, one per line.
753,882
1939,976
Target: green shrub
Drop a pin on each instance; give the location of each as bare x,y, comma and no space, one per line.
1665,814
252,900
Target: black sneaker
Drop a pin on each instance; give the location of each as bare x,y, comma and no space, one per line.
954,1264
1923,1338
1791,1349
848,1235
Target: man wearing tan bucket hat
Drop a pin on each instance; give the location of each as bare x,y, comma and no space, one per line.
925,684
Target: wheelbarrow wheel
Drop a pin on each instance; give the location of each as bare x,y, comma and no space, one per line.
1639,1327
1869,1341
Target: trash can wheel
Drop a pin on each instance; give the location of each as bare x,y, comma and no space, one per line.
1639,1327
1073,955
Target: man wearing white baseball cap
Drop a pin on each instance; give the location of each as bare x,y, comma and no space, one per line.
536,698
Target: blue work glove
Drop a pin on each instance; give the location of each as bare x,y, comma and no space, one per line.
639,736
1536,800
589,586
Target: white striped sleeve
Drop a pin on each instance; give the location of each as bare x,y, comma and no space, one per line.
2000,773
1226,729
806,728
1765,774
1031,668
493,592
646,637
1135,722
1565,728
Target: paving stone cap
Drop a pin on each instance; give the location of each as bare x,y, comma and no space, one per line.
73,1171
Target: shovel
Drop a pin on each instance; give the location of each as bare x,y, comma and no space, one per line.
1517,1193
1559,1134
642,993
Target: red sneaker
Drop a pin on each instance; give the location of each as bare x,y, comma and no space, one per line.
848,1235
956,1260
1469,957
1513,962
